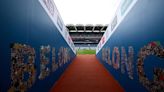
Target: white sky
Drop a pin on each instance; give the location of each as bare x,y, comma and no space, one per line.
87,11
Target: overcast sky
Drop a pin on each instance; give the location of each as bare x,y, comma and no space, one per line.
87,11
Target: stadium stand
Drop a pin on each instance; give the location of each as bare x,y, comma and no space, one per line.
86,36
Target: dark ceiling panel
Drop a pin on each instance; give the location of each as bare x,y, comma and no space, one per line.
80,27
98,27
105,27
71,27
89,27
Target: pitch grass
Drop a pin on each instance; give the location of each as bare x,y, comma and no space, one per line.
85,51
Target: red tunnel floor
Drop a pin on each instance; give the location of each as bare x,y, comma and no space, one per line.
86,74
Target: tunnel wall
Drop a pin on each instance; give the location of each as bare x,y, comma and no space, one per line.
35,46
131,49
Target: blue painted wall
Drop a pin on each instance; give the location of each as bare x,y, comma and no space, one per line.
142,25
26,22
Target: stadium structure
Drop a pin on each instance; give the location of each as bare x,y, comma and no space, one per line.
86,36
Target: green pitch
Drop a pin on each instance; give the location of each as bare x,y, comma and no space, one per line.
85,51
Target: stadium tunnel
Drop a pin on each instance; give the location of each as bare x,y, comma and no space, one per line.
38,54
